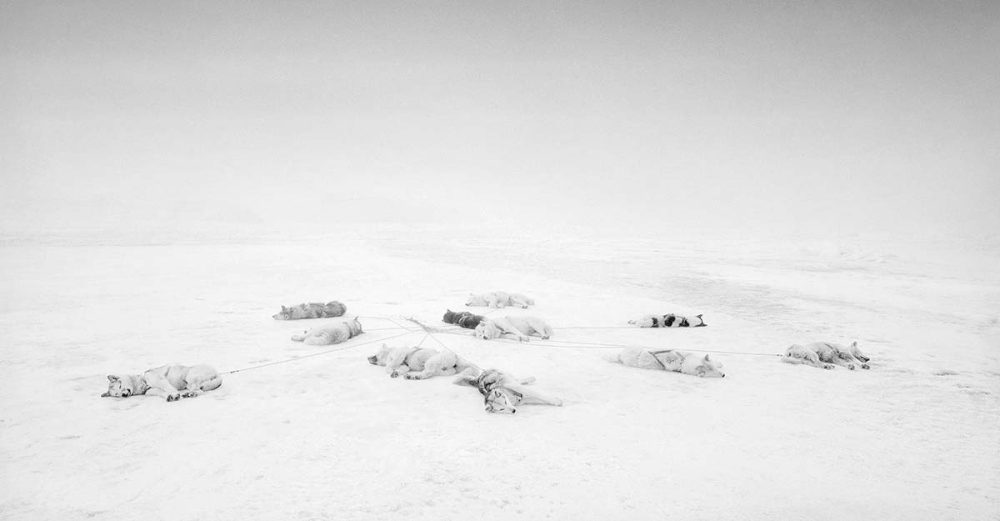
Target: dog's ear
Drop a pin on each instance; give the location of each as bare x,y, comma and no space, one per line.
707,359
854,344
283,308
699,316
113,378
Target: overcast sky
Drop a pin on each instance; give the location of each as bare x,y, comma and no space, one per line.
804,116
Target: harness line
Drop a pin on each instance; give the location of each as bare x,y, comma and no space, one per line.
234,371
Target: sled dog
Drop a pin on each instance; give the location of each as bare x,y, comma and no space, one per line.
520,327
167,381
499,299
669,360
827,355
311,310
503,393
462,318
669,320
418,363
331,333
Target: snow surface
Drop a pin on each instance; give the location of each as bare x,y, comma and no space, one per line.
332,437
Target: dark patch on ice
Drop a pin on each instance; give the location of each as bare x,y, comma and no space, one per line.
945,372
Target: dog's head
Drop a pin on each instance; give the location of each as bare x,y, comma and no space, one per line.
646,321
284,314
709,368
119,387
355,326
449,317
475,300
696,321
853,349
487,330
503,400
380,357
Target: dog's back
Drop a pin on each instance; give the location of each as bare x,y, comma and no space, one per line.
469,321
331,334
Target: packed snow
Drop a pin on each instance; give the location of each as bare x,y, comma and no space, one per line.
295,436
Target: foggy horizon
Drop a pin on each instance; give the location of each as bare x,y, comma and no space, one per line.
822,119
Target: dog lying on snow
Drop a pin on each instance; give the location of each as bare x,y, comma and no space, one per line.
462,318
520,327
167,381
499,299
669,360
670,320
311,310
417,363
331,333
503,393
827,355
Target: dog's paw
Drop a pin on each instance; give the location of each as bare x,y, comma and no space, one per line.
546,337
394,374
828,366
866,366
409,376
173,397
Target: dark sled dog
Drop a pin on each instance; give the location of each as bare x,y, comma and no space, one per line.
464,319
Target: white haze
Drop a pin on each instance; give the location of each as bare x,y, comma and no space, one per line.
766,119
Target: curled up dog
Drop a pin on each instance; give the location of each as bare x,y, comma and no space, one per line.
335,333
500,299
827,355
167,381
668,320
520,327
311,310
418,363
463,319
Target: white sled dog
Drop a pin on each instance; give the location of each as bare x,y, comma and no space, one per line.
520,327
502,392
669,320
418,363
331,333
167,381
499,299
669,360
311,310
827,355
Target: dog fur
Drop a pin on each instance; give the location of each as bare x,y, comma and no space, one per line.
519,326
463,319
311,310
669,320
669,360
336,333
502,392
499,299
167,381
827,355
417,363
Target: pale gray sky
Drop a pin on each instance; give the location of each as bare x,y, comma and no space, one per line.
825,116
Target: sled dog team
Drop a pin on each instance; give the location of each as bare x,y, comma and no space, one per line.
502,393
